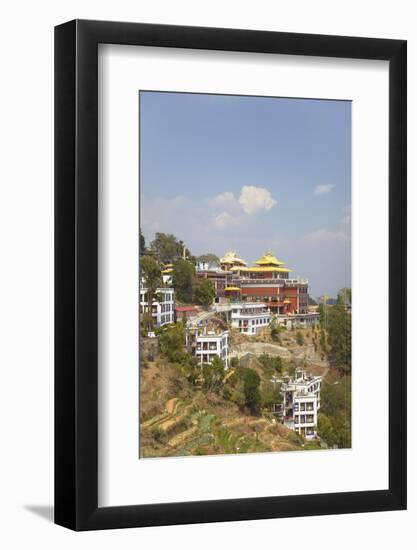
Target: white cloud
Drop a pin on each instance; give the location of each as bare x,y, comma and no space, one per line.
186,216
255,199
226,200
225,220
323,189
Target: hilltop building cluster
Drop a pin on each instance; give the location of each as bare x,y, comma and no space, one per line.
251,297
267,280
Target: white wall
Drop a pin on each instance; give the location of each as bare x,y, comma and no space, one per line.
26,183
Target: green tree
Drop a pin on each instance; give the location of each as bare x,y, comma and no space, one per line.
171,342
322,314
166,247
346,295
325,429
213,374
270,393
151,275
271,365
204,292
182,280
251,383
142,244
340,336
335,428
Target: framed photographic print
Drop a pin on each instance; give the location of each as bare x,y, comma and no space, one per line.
230,275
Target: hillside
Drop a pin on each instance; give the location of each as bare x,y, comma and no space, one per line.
179,419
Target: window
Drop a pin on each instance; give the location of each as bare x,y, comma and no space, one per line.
303,407
310,406
303,419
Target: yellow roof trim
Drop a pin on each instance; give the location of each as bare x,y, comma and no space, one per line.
266,269
268,259
232,288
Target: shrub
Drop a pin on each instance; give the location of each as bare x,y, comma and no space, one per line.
234,362
158,435
299,338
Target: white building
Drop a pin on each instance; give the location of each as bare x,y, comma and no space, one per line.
301,402
162,308
249,317
209,345
298,320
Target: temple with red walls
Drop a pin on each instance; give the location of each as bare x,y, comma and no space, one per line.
268,280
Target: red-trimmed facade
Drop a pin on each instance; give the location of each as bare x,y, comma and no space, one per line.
268,281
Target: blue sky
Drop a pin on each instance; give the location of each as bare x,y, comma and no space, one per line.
251,174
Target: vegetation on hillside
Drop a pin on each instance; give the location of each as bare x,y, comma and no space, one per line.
192,408
334,419
204,292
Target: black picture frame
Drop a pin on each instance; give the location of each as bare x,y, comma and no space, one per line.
76,272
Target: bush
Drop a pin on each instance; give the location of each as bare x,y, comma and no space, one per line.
299,338
271,365
158,435
234,363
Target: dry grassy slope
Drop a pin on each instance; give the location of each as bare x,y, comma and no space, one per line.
178,420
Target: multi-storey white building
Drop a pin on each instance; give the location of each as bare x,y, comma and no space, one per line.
210,344
249,317
162,308
301,402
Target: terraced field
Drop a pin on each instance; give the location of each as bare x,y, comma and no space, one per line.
183,428
178,418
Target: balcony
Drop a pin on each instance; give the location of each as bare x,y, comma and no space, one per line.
248,316
273,281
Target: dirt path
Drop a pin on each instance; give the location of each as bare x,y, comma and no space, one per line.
170,404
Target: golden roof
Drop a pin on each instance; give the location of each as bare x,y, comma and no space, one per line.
268,259
233,288
231,258
266,269
262,269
